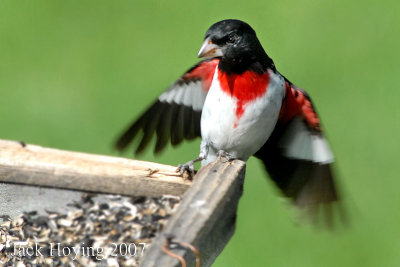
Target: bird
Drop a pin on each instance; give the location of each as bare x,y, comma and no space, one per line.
240,106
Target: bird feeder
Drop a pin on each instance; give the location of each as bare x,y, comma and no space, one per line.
76,200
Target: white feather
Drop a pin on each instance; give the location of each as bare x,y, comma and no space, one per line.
168,96
299,143
190,95
321,151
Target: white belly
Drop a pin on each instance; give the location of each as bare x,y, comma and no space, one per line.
242,137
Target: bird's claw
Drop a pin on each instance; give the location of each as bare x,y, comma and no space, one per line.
187,167
223,154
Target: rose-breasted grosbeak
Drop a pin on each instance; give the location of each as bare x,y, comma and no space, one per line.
240,106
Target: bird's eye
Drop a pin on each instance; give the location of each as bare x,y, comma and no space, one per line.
231,39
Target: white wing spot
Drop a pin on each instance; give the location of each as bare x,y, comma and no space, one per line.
190,95
299,143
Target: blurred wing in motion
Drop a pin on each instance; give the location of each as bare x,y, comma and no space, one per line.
297,156
176,114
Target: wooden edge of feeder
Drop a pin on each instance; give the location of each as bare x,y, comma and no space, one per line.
205,218
39,166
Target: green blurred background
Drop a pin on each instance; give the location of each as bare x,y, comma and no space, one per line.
73,74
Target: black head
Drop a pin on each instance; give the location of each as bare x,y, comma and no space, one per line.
236,43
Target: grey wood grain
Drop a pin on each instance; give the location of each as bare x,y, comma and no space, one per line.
35,165
205,218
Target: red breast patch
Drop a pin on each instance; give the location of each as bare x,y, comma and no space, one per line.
245,87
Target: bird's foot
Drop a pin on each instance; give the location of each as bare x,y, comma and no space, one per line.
188,168
223,154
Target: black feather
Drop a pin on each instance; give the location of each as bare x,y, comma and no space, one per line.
308,184
170,121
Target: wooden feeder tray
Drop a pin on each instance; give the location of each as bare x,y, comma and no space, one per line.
200,214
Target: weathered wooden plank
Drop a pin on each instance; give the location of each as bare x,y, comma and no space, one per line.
35,165
205,218
18,198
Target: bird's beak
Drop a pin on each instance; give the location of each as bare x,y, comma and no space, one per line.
208,49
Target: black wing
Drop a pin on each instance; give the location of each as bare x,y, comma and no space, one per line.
176,114
297,156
